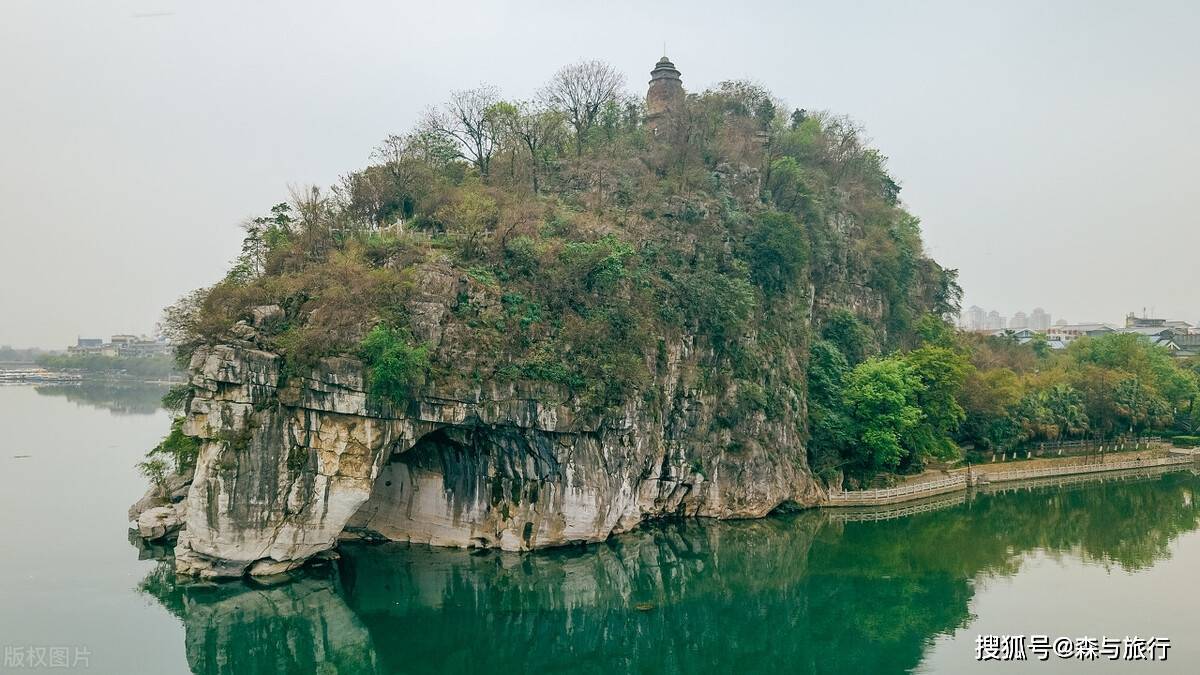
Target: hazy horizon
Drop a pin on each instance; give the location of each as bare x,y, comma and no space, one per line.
1047,149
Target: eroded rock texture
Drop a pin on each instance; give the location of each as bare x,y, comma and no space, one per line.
287,468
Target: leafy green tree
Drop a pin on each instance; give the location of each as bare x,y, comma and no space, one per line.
936,331
144,367
180,449
988,399
264,235
829,428
1052,414
941,372
880,398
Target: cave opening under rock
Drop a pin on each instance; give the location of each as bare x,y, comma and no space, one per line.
461,486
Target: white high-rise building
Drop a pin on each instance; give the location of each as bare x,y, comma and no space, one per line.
995,321
1019,321
1039,320
975,318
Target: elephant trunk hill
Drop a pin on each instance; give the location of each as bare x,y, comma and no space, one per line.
536,324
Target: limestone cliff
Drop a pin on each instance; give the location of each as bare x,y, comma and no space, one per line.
445,353
287,468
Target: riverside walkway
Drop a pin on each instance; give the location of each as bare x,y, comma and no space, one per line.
854,514
980,477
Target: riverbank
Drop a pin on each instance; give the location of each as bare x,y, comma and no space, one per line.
36,375
957,480
877,512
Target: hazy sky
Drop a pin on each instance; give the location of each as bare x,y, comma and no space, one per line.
1049,147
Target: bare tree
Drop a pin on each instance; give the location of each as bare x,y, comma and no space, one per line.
581,91
469,120
536,127
317,219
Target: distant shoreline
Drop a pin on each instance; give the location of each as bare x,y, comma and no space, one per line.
32,374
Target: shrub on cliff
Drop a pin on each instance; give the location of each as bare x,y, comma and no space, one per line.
176,452
394,367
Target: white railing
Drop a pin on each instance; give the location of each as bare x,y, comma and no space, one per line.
1114,444
997,476
960,481
910,490
879,512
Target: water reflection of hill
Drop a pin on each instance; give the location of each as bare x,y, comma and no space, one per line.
300,627
119,398
800,593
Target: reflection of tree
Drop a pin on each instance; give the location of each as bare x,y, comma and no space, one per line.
120,398
1129,524
727,597
795,593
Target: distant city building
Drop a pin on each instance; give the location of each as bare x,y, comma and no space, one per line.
122,345
1188,345
1181,338
975,318
1039,320
92,346
995,321
1024,335
1069,332
145,347
1133,321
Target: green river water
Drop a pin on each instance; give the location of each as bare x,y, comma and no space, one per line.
807,592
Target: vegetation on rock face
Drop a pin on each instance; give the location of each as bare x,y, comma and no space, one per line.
394,367
575,244
176,453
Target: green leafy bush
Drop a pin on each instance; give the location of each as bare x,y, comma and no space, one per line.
1186,441
155,470
177,397
394,367
181,450
778,251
